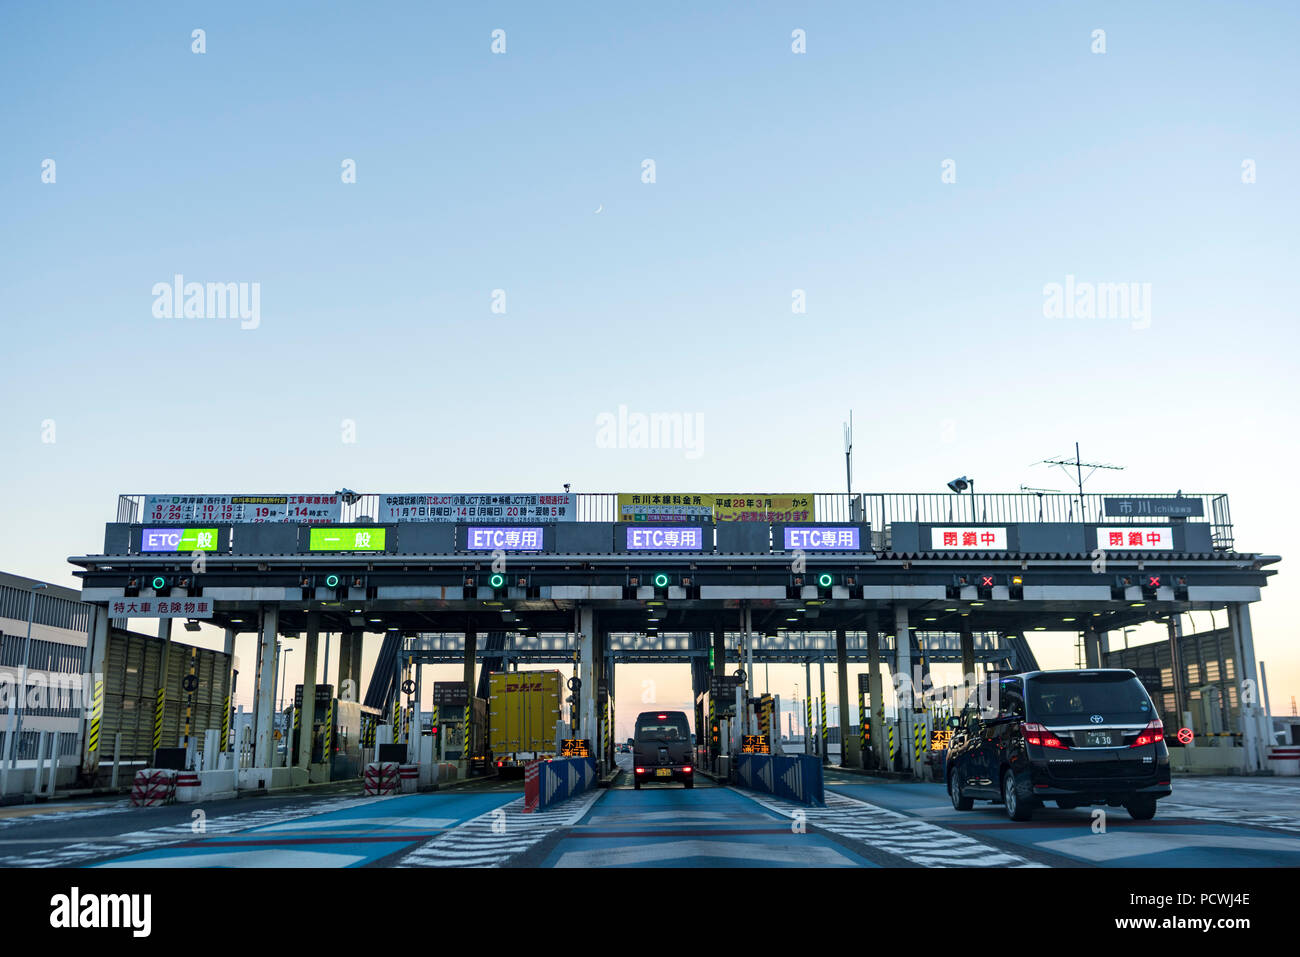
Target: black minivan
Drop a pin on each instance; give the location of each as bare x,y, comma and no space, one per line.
1076,737
661,748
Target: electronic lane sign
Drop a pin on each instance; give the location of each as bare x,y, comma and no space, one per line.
575,747
982,539
509,538
348,539
450,694
1144,537
178,540
642,538
822,539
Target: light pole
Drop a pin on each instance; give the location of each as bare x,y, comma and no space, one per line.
15,718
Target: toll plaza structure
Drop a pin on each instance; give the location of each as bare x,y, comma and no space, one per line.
895,581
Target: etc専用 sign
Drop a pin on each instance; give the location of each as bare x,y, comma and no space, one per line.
510,538
651,539
822,539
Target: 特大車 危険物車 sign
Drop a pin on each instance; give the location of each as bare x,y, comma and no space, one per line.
476,507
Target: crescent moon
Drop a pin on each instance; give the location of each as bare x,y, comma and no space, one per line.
600,207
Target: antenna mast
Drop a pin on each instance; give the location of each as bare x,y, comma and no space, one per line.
1079,466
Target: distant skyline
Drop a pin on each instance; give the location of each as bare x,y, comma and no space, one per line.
436,267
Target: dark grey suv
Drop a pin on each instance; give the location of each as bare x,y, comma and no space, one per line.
1074,737
661,748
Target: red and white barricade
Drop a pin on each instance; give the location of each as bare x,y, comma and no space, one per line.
381,777
152,787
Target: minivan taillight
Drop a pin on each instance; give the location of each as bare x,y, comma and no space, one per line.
1151,734
1039,735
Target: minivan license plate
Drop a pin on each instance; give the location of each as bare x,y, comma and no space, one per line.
664,773
1097,739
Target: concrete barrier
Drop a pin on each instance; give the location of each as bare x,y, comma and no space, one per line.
381,777
1284,760
795,777
251,779
409,777
194,786
152,787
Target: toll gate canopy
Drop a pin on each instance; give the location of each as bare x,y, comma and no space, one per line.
657,576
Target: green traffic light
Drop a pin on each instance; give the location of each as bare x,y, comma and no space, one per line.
825,580
497,580
159,582
661,580
331,581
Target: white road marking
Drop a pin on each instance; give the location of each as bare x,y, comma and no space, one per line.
491,839
1110,847
911,839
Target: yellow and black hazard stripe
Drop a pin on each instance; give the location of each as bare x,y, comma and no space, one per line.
891,743
864,724
96,715
327,749
807,724
465,748
823,737
158,718
225,726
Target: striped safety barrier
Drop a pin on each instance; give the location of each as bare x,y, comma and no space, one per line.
822,739
225,726
152,787
891,745
327,747
381,777
465,744
864,725
807,723
96,715
158,718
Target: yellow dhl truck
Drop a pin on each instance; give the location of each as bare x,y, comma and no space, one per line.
523,709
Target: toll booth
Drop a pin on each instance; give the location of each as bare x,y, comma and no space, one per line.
340,734
451,735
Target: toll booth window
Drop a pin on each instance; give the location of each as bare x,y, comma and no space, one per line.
668,728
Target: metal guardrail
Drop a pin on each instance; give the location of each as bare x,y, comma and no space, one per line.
883,509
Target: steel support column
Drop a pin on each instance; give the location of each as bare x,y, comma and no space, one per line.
264,747
842,676
308,714
875,686
903,683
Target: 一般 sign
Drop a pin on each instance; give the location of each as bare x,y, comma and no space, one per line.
348,539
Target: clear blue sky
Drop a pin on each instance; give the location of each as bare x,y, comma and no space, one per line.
775,172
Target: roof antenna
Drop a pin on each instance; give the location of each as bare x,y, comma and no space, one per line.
1079,466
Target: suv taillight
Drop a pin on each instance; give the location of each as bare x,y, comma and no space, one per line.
1039,735
1151,734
